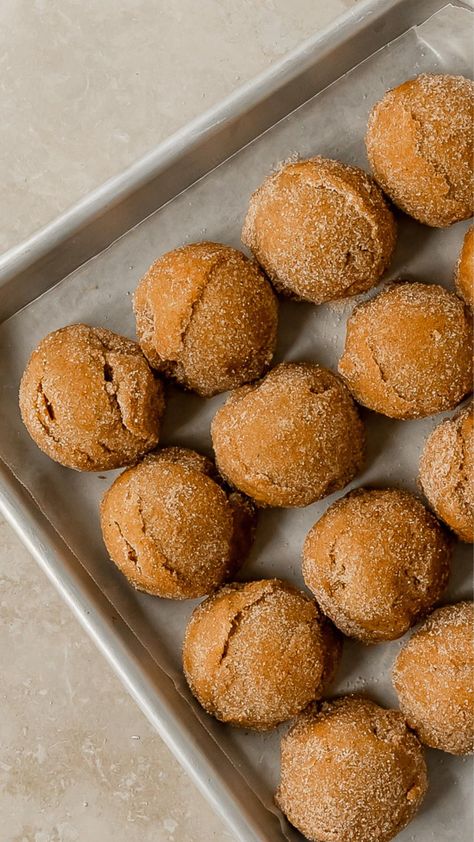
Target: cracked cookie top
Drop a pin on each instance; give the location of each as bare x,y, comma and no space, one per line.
89,399
447,472
408,351
420,144
432,676
257,653
377,561
291,438
351,771
173,528
322,230
207,317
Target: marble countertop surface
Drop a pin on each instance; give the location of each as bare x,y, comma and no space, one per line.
85,89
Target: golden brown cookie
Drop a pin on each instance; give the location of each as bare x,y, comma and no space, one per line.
88,398
171,527
376,562
207,317
433,676
420,147
290,439
351,771
464,276
408,351
256,653
320,229
447,473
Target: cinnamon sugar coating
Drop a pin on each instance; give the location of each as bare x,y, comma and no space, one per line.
172,528
377,561
207,317
447,472
88,398
433,676
320,229
464,275
291,438
408,351
351,771
420,144
257,653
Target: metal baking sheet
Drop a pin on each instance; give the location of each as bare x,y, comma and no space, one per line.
87,264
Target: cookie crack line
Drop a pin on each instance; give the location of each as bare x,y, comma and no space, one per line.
423,149
384,377
236,621
113,394
49,409
47,429
110,451
337,583
352,203
460,488
109,377
165,562
132,554
99,338
219,261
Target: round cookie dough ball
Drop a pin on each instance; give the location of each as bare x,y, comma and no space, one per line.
433,678
290,439
88,398
207,317
464,277
320,229
420,147
408,351
172,529
447,473
376,562
351,771
257,653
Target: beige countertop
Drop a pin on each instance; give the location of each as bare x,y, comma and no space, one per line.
86,87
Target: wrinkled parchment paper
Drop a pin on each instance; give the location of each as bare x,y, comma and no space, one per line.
99,293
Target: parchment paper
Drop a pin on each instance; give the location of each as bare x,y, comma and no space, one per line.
99,293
